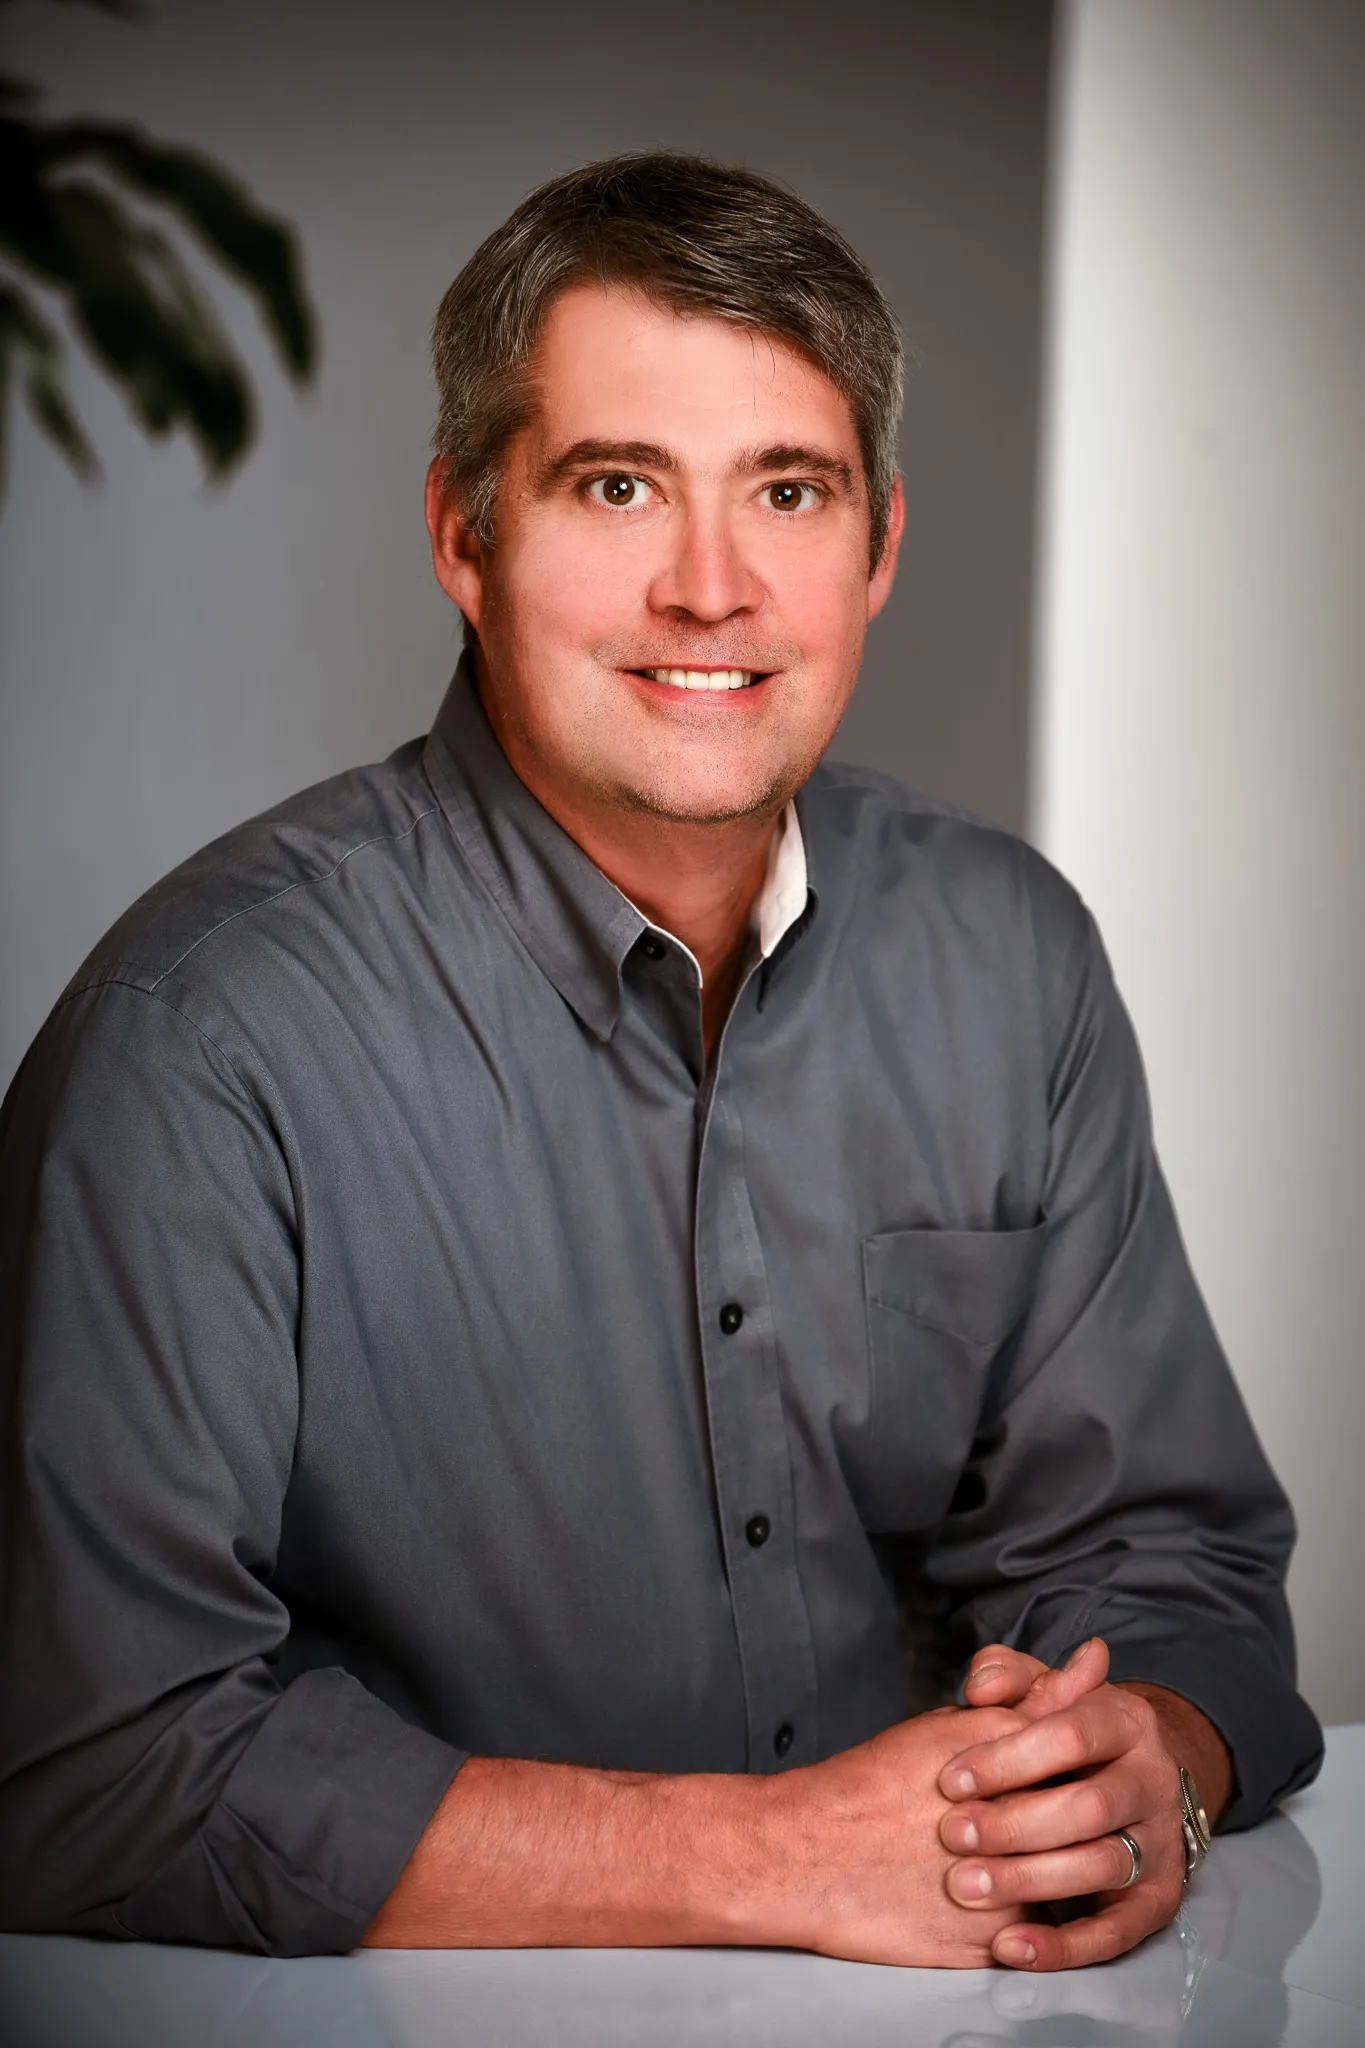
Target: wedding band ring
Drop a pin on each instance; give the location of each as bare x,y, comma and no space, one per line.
1133,1850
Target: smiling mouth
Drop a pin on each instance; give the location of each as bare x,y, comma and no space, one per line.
704,678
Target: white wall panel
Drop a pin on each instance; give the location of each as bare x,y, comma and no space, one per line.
1200,749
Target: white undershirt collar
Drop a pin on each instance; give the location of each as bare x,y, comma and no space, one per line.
786,885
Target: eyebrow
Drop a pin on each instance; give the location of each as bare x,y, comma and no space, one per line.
783,456
606,455
625,455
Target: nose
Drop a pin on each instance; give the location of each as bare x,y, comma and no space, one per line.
705,574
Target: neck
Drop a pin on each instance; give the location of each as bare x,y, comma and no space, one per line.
699,882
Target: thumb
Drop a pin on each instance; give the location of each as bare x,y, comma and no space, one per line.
1000,1676
1050,1691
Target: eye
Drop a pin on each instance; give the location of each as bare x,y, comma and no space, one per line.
619,490
790,497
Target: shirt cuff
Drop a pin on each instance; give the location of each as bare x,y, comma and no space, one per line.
310,1832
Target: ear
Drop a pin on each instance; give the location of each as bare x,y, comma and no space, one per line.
884,575
457,554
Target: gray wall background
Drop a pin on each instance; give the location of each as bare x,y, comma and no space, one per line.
173,659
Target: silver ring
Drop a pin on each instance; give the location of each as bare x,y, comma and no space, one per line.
1135,1852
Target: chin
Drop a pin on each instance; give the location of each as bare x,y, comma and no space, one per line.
687,803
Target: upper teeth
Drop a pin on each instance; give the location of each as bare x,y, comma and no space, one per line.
702,678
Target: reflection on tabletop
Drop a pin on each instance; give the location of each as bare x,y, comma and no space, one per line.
1217,1976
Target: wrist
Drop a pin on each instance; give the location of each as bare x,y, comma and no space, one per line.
769,1902
715,1838
1192,1740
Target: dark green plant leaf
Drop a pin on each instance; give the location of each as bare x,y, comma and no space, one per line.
28,226
27,336
129,293
143,319
261,251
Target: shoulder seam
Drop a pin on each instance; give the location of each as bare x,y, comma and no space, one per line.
304,882
138,988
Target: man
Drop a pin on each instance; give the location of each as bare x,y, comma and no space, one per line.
549,1282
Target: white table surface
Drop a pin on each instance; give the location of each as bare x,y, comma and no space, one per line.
1268,1950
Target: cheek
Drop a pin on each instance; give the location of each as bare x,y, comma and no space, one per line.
818,582
825,615
575,588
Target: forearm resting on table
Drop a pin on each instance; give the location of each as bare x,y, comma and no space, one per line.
539,1855
1191,1738
535,1855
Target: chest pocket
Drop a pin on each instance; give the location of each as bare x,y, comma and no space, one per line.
940,1303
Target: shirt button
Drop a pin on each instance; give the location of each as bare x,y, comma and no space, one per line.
758,1529
731,1316
652,946
784,1738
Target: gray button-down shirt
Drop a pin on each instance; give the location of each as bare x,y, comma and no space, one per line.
413,1348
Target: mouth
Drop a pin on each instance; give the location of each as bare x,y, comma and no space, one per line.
703,678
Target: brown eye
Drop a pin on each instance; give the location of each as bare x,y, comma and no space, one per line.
616,490
787,497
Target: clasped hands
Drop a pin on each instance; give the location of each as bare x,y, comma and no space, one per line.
935,1842
1019,1840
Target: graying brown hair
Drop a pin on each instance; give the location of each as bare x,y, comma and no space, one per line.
694,235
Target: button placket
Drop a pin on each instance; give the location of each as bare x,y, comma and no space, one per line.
749,1451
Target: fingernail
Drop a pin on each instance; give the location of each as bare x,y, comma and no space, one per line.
1010,1949
966,1836
985,1671
1076,1655
969,1882
962,1783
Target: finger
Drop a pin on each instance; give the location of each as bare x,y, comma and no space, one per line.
979,1724
1084,1670
999,1676
1054,1816
1002,1676
1071,1873
1104,1725
1117,1927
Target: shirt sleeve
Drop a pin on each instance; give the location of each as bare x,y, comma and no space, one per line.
1117,1487
156,1780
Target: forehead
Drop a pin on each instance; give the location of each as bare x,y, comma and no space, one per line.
613,364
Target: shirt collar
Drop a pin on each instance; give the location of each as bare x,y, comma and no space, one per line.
576,924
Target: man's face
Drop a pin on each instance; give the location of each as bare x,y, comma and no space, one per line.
687,509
